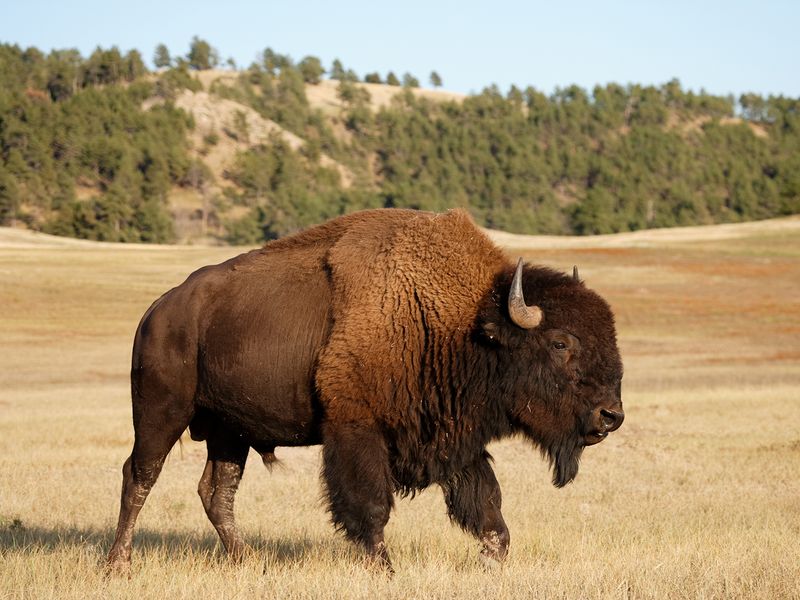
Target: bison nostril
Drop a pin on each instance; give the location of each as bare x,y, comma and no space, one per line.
611,419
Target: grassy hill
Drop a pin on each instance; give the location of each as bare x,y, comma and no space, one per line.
695,496
216,117
100,148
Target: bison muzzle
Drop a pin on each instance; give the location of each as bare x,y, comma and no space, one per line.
403,342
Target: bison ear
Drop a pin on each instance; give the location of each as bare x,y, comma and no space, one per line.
490,332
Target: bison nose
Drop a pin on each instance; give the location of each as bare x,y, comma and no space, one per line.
612,419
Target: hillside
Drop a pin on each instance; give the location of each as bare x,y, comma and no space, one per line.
216,117
100,148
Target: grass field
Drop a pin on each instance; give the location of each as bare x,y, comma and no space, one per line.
696,496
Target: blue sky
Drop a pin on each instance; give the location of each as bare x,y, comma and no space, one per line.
724,47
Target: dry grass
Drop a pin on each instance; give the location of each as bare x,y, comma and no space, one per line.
697,496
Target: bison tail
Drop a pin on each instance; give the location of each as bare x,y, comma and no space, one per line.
269,459
267,452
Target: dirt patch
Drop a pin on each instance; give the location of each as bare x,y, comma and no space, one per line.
214,115
767,269
674,122
324,95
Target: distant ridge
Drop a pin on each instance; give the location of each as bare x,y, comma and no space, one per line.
11,237
101,148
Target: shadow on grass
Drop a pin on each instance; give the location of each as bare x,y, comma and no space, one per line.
20,539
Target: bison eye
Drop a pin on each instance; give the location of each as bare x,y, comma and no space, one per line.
559,345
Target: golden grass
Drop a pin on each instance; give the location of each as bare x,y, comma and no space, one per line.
697,496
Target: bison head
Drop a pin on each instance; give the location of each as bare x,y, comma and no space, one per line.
561,369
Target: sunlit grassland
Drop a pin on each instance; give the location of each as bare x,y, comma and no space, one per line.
697,495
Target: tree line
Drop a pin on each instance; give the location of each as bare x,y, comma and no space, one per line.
86,151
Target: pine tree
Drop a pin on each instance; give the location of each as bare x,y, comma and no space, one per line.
410,81
311,69
133,66
161,58
337,70
201,55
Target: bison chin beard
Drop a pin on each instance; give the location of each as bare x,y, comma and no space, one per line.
561,446
565,457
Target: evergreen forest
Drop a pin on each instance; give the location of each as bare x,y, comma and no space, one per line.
98,147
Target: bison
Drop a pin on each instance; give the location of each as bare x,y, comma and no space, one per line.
401,341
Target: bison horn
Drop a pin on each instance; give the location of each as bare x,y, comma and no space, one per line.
523,315
575,277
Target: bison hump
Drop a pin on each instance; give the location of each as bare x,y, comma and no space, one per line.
403,283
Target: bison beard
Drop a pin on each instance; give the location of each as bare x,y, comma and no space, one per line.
565,459
402,341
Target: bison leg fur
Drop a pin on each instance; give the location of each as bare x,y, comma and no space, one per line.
473,502
359,484
139,473
227,455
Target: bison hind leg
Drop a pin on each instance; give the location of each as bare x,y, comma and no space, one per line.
155,434
227,454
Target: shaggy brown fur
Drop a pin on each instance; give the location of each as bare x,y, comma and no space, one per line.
385,336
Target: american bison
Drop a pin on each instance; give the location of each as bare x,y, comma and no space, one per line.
401,341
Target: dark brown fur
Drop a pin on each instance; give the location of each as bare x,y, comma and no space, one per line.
383,335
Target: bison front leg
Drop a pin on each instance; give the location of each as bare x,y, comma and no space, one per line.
358,477
473,502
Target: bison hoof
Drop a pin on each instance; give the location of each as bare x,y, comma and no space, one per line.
490,561
239,552
379,565
378,559
495,549
118,568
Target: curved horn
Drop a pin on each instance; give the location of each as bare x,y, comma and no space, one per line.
575,277
523,315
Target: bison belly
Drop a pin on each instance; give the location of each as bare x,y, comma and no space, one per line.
257,351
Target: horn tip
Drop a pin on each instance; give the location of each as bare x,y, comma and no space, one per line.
518,271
